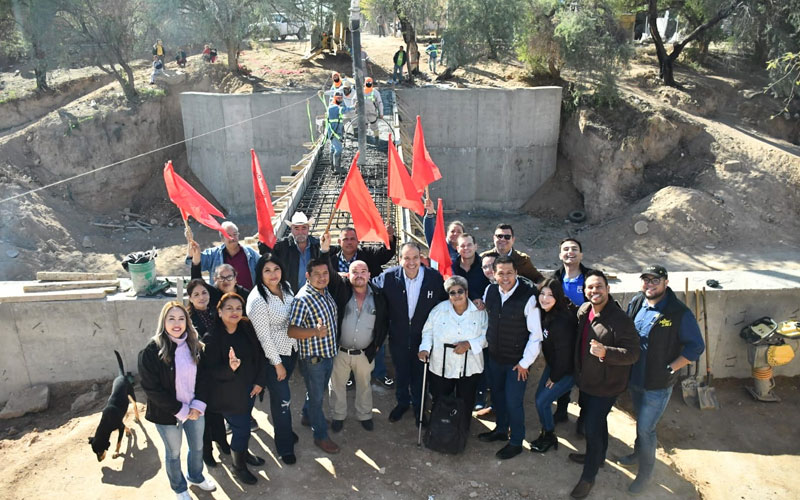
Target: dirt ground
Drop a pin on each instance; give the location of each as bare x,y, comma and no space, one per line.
715,179
745,450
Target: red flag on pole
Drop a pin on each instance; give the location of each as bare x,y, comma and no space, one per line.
439,251
423,170
355,198
264,210
189,201
401,188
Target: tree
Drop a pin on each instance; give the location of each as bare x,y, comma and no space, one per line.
665,60
35,19
108,30
786,77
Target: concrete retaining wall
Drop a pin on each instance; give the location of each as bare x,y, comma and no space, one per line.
74,340
494,147
221,160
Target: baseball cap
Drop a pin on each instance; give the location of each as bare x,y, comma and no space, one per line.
654,271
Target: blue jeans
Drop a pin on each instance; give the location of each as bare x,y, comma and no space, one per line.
648,406
171,435
545,397
595,411
408,373
279,401
397,74
508,395
379,372
317,376
240,428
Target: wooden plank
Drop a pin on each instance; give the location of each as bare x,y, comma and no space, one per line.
288,178
297,168
89,293
69,285
108,226
68,276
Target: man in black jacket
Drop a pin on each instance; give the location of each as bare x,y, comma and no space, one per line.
514,337
670,339
606,347
295,250
363,321
349,251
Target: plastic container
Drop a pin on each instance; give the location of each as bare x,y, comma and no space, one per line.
143,276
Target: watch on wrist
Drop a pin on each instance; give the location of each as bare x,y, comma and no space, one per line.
670,370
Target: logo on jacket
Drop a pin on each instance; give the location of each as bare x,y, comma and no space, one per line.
665,322
430,294
545,333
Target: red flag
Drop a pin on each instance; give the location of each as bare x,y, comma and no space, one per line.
355,198
190,201
439,251
264,210
423,170
401,188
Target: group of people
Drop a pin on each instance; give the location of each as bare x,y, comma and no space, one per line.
341,113
328,309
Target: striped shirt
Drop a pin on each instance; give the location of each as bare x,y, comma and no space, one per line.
309,308
271,322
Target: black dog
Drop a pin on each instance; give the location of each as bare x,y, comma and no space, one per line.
114,414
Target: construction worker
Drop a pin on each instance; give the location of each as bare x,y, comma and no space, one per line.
349,95
334,129
433,54
337,81
373,106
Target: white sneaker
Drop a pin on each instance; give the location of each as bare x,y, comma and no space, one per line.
184,496
208,484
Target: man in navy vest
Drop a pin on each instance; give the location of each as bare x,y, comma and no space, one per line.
515,339
411,291
670,339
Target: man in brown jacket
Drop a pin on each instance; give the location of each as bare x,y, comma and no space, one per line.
504,246
607,347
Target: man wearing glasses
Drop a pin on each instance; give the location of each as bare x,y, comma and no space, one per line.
670,339
504,247
243,259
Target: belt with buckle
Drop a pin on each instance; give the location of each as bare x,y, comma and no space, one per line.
352,352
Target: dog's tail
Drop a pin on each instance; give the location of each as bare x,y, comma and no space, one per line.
119,362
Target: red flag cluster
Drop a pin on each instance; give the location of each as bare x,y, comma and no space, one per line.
189,201
439,251
356,199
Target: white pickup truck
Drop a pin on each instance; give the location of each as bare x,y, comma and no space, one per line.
280,27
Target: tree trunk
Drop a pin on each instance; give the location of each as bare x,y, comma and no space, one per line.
40,67
410,38
232,48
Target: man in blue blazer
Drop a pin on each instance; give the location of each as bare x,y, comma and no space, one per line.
411,291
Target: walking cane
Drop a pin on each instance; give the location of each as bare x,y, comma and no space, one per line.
422,402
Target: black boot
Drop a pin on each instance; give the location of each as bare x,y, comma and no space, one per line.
224,447
538,440
252,459
208,457
240,468
545,442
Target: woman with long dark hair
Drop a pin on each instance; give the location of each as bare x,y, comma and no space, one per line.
559,329
237,372
268,308
173,379
203,317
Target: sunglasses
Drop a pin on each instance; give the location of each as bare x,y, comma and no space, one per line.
652,281
454,293
369,85
226,278
503,236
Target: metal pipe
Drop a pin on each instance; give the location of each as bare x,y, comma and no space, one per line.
358,74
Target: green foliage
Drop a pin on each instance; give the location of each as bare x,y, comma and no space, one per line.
35,19
786,79
477,28
584,36
12,47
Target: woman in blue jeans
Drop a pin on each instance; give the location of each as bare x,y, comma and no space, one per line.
268,308
559,329
174,381
237,371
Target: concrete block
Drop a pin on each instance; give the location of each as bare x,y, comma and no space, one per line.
84,401
31,400
13,366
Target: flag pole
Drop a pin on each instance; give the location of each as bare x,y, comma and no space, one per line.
330,221
188,231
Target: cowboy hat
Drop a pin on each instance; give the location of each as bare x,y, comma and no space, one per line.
300,219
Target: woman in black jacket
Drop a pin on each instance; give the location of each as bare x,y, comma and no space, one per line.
559,329
203,317
174,381
237,371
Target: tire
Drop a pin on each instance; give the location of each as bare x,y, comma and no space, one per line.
301,34
577,216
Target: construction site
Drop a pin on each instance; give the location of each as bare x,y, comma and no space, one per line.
697,180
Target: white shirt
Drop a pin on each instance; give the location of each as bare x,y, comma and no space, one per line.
533,320
271,323
445,326
413,287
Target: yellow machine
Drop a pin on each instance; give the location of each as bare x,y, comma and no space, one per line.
769,344
334,40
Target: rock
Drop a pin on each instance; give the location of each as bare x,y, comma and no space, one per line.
31,400
171,224
83,401
711,247
474,484
382,470
733,166
153,222
13,253
396,483
93,103
87,242
473,494
640,227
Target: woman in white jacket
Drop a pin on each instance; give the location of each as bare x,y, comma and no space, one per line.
459,328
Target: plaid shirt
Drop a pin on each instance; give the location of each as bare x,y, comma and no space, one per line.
344,265
308,309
